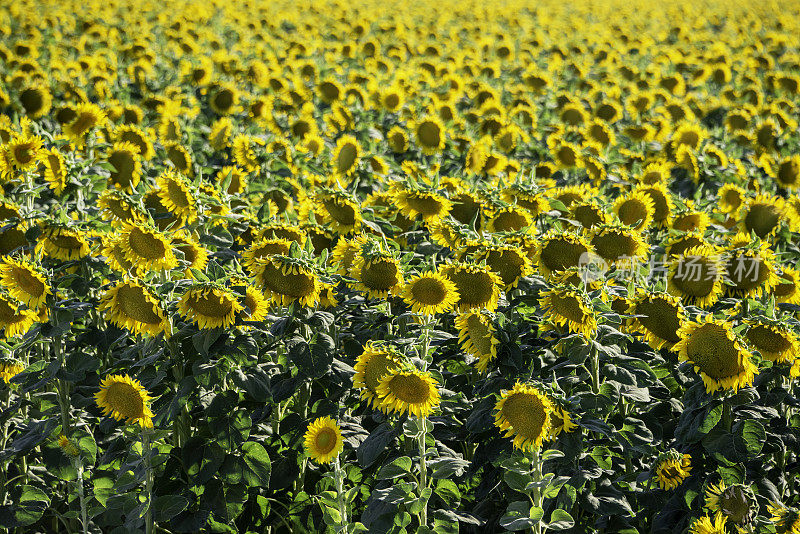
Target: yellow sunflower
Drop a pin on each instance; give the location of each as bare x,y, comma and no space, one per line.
735,502
377,274
671,469
146,248
751,271
24,281
266,247
124,399
431,135
476,335
718,357
53,169
346,155
659,317
773,341
788,290
566,306
430,293
287,280
62,243
15,321
762,215
209,306
785,519
194,254
9,369
408,391
524,412
635,209
129,304
414,203
696,276
709,525
559,251
617,244
127,166
323,440
509,262
338,209
477,285
373,363
24,151
176,196
87,117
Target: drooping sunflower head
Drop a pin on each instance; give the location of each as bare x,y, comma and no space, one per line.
478,286
635,209
124,399
751,270
524,413
254,304
323,440
509,262
147,248
338,209
408,391
62,243
509,219
788,287
287,280
87,117
788,172
659,316
773,340
126,160
209,306
119,207
176,195
129,304
696,276
24,151
566,306
431,134
560,419
416,202
476,335
617,243
263,248
377,273
786,520
190,252
559,251
671,469
24,281
9,368
53,169
430,293
731,197
762,215
736,502
346,155
15,320
377,360
716,353
527,197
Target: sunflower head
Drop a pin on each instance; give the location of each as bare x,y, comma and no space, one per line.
377,273
786,520
636,209
672,468
696,276
617,243
762,215
430,293
210,306
524,413
476,333
129,304
735,502
417,202
559,251
659,316
287,280
716,353
24,281
176,195
509,262
9,368
408,391
147,248
566,306
773,340
478,286
323,440
124,399
375,361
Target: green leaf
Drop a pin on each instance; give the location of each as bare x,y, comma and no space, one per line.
712,418
749,437
517,480
258,465
560,520
27,508
521,515
165,507
397,468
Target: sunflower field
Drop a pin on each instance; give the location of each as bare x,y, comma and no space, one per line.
347,266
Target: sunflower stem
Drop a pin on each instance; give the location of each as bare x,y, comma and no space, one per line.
423,472
338,477
148,465
81,495
536,467
594,361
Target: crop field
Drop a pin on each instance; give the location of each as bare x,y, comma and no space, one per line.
342,266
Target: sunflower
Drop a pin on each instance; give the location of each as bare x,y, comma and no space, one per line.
243,148
377,274
589,213
566,306
15,321
180,157
87,117
430,133
119,207
224,99
788,172
128,133
751,271
283,231
397,140
209,306
413,203
221,130
408,391
716,354
124,399
9,369
559,251
659,316
36,100
287,280
62,243
255,305
176,196
129,304
430,293
323,440
529,199
476,335
696,276
114,254
773,341
147,248
340,210
127,163
635,209
787,290
525,413
735,502
194,254
478,286
785,519
24,281
266,247
672,468
52,168
707,525
236,177
509,219
509,262
560,421
24,151
375,361
762,215
346,155
617,244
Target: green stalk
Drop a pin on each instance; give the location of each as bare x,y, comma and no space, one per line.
338,477
423,472
148,465
594,361
536,466
81,496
